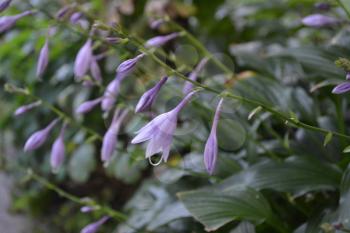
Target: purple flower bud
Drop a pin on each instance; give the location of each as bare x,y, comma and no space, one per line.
160,40
86,209
159,132
83,60
341,88
318,20
75,17
156,23
4,5
211,147
110,94
110,138
6,22
323,6
193,76
25,108
347,76
126,67
38,138
93,227
58,151
149,96
43,59
113,40
62,12
88,106
95,70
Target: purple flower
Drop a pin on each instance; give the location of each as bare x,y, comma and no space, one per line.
83,60
4,5
95,70
318,20
211,147
110,94
160,40
62,12
110,138
57,151
324,6
38,138
113,40
159,132
156,23
43,59
88,106
126,67
93,227
6,22
341,88
75,17
149,96
86,209
193,76
25,108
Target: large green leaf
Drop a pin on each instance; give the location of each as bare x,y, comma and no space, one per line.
215,209
296,174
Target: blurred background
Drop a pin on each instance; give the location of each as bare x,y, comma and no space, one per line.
274,59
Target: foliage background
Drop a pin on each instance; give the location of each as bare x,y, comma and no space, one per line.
271,177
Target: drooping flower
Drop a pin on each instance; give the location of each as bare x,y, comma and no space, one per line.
83,60
159,41
193,76
38,138
43,59
58,151
126,67
25,108
7,22
110,94
4,5
95,70
93,227
87,106
149,96
341,88
110,138
159,132
211,146
75,17
318,20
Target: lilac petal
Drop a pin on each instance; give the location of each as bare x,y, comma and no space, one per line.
318,20
6,22
156,23
62,12
110,95
341,88
25,108
88,106
4,5
75,17
149,96
86,209
95,70
83,60
126,67
58,151
38,138
193,76
160,40
324,6
211,146
108,145
93,227
43,59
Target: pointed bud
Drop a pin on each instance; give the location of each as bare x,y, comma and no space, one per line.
193,76
341,88
149,96
43,59
7,22
159,41
58,151
110,94
95,70
83,60
155,24
88,106
75,17
211,147
126,67
113,40
87,209
38,138
93,227
25,108
62,12
4,5
318,20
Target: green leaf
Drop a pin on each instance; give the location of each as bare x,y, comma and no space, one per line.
244,227
328,138
296,174
215,209
82,163
346,149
